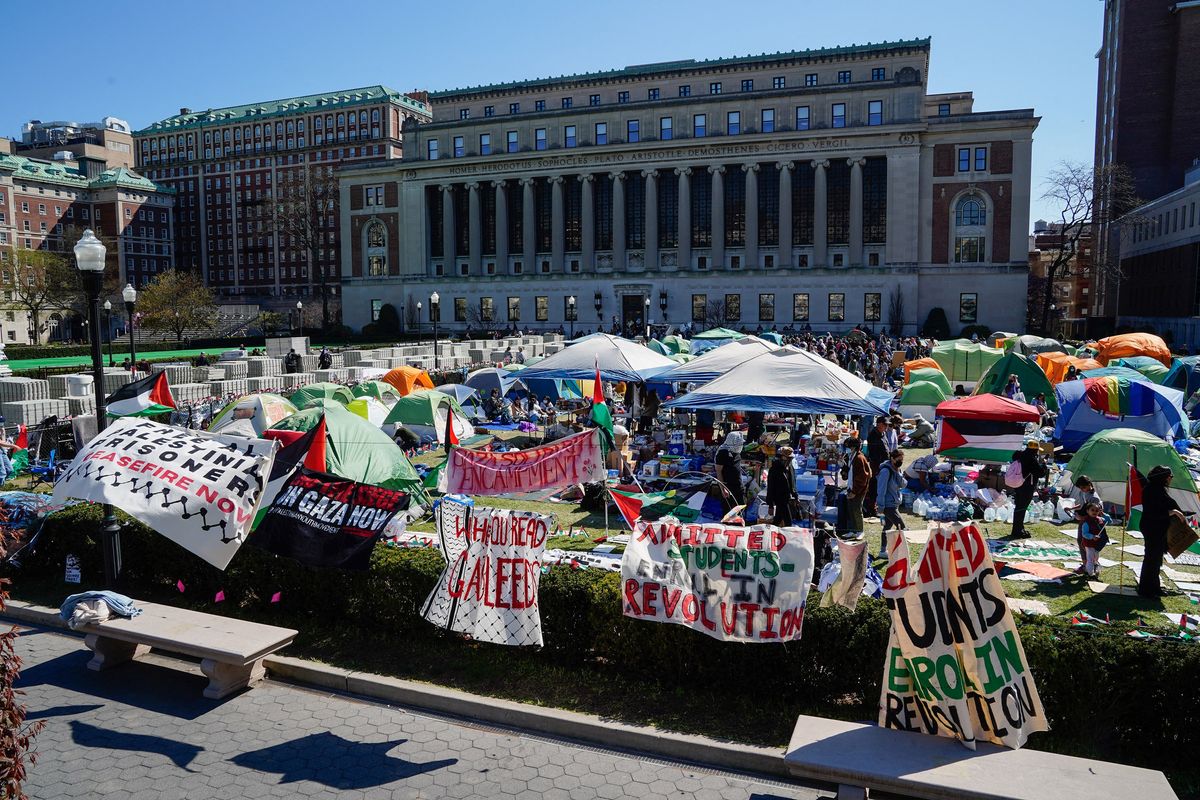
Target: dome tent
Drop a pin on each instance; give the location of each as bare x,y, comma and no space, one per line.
261,410
1152,368
714,337
408,379
485,380
1105,456
384,392
920,363
1096,404
1033,380
964,361
1122,345
370,409
425,412
329,391
921,397
1184,375
932,375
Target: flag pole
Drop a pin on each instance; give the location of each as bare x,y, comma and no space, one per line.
1125,525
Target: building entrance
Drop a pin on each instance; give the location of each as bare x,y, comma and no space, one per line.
633,314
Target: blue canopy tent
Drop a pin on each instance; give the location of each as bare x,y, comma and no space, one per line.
1092,405
772,337
1184,375
485,380
788,381
619,360
467,397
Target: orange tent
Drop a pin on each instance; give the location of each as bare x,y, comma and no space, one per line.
1056,365
406,379
919,363
1133,344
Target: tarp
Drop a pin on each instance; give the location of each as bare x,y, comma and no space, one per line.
1057,365
327,391
619,360
1033,380
920,363
260,410
489,378
1105,456
931,375
1150,367
964,361
715,337
1092,405
425,412
1032,345
408,379
772,337
377,389
1133,344
467,397
1184,375
717,362
789,381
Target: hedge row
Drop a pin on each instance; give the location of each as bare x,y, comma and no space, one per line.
1107,695
23,352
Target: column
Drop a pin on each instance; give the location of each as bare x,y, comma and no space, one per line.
651,259
856,211
750,257
557,226
528,227
474,228
449,257
587,209
820,214
684,260
618,220
718,216
501,228
785,258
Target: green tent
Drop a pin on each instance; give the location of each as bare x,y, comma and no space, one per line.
680,358
384,392
964,361
922,393
931,375
719,333
1033,379
1152,368
263,409
1105,456
325,391
355,449
513,367
425,412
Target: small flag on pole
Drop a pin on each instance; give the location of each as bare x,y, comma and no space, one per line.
150,395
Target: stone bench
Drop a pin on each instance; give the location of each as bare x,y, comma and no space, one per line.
231,650
858,758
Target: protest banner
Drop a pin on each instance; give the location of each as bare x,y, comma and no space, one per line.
489,588
733,583
575,459
955,666
852,576
191,487
322,520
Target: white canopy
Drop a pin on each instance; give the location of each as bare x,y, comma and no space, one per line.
716,362
619,360
789,381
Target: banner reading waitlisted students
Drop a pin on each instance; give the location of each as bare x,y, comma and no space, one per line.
955,666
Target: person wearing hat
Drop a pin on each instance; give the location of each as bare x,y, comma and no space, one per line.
1033,471
858,481
729,465
781,486
922,434
1158,508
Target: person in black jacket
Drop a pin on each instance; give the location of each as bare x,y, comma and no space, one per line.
1034,470
877,453
781,486
729,466
1158,508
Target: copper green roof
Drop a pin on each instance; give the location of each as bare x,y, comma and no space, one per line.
288,106
62,174
127,179
667,67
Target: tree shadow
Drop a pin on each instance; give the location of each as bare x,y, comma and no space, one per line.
181,753
338,763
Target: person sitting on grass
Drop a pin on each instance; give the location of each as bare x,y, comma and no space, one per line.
1092,538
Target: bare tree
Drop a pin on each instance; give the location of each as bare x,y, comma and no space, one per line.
306,208
1085,196
714,314
896,312
37,282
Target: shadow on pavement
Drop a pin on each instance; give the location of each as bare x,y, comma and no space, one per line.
181,753
62,711
338,763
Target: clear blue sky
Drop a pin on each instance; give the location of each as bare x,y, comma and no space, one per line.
142,60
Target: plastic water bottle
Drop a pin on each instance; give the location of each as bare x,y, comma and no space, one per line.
918,506
989,514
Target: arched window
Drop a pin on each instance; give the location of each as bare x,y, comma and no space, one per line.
970,230
376,251
970,212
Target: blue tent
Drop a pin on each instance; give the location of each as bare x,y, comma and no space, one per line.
772,337
554,388
1184,375
1089,406
1116,372
467,397
484,380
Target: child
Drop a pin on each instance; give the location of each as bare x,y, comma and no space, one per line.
1092,538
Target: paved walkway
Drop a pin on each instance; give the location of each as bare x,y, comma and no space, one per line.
143,731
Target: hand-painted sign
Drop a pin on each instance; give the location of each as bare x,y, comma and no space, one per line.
575,459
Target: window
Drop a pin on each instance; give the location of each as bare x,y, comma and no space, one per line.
968,307
652,94
375,266
964,159
873,259
514,309
748,85
980,159
766,308
567,102
968,249
489,111
601,133
539,139
511,144
632,130
685,90
837,307
733,307
460,309
879,73
810,79
875,112
768,120
459,147
42,210
539,105
375,195
839,259
802,118
463,113
699,307
800,307
487,309
541,308
569,138
664,129
699,125
839,115
514,108
970,211
779,82
872,307
485,144
714,87
733,123
844,76
943,109
622,97
593,99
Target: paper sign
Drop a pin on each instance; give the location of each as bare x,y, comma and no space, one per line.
575,459
72,573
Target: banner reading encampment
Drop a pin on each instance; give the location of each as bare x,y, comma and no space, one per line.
489,588
575,459
732,583
955,665
195,489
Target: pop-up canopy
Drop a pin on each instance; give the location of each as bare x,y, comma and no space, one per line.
619,360
716,363
985,427
788,381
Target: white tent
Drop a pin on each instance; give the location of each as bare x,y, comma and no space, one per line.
789,381
716,362
619,360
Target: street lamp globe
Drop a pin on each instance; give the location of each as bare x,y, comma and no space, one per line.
299,306
129,294
90,252
108,305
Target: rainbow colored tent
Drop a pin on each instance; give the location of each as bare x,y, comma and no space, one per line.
1097,404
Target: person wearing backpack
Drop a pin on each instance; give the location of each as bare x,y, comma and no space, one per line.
1022,483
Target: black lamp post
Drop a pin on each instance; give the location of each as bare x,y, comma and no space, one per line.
419,307
300,318
662,304
108,329
129,295
647,319
599,301
571,313
435,311
89,257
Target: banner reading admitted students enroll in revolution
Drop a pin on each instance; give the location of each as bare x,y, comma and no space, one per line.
194,488
575,459
955,665
732,583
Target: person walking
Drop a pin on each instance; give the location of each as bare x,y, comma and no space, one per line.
858,481
781,486
1158,508
729,462
1033,470
325,359
877,453
890,482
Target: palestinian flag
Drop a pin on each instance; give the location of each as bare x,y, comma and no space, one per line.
989,440
142,398
299,450
20,453
1133,499
601,416
651,506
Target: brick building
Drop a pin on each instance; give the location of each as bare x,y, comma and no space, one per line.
1072,291
230,166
